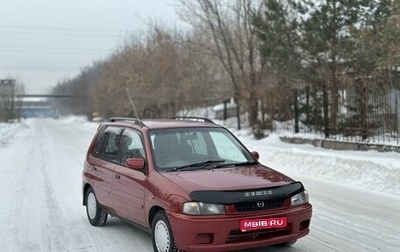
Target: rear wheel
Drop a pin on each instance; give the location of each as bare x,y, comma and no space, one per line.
95,214
162,237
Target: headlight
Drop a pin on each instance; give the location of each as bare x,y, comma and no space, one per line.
300,198
199,208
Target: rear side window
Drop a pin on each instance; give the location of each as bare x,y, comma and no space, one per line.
106,146
98,143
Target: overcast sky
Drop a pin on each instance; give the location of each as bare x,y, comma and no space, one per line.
44,41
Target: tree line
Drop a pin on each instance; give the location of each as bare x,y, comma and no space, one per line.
269,56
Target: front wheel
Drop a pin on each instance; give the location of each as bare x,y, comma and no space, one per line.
95,214
287,244
162,237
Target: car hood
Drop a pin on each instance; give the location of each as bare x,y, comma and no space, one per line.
236,178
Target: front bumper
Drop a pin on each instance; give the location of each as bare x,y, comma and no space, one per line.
222,233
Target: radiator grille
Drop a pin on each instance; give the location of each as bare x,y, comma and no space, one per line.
259,205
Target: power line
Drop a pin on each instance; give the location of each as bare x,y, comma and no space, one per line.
45,33
18,7
38,68
61,34
48,50
18,27
74,32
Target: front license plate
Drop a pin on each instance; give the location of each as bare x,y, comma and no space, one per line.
254,224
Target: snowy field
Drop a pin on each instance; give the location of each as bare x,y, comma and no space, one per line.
356,195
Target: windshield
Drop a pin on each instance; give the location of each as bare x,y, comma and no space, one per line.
196,148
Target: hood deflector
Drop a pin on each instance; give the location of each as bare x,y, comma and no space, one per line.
232,197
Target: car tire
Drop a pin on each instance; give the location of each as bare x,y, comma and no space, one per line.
95,213
287,244
161,234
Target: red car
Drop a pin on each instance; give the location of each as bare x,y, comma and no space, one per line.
192,184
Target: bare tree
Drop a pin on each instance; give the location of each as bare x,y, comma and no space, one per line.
232,40
163,71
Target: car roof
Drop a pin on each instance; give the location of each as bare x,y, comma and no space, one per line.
181,122
171,123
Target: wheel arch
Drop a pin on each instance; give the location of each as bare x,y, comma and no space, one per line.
84,191
152,213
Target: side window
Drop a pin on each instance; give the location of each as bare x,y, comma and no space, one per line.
107,148
131,146
99,142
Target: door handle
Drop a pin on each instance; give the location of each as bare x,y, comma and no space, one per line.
116,176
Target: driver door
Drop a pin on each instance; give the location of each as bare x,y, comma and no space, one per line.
128,186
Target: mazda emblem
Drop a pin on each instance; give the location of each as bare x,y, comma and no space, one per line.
260,204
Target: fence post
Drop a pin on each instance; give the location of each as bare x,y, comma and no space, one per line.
296,111
326,109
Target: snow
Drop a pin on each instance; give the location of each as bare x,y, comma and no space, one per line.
6,128
370,170
355,194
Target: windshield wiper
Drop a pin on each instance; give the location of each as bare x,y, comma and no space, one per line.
235,164
198,165
246,163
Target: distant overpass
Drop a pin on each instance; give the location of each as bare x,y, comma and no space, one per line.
44,95
40,105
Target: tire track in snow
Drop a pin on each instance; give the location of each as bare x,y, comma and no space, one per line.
23,193
63,190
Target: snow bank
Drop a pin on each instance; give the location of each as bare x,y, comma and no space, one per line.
8,129
368,170
73,119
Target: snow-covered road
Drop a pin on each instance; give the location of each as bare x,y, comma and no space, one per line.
356,195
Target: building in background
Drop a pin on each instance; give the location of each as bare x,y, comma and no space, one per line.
7,99
14,104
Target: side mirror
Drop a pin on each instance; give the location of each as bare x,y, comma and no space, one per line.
135,163
255,155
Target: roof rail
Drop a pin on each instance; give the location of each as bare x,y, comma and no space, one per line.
194,118
127,119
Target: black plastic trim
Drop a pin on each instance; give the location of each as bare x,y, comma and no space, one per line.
232,197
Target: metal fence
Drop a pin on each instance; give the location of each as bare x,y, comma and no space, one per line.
359,109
